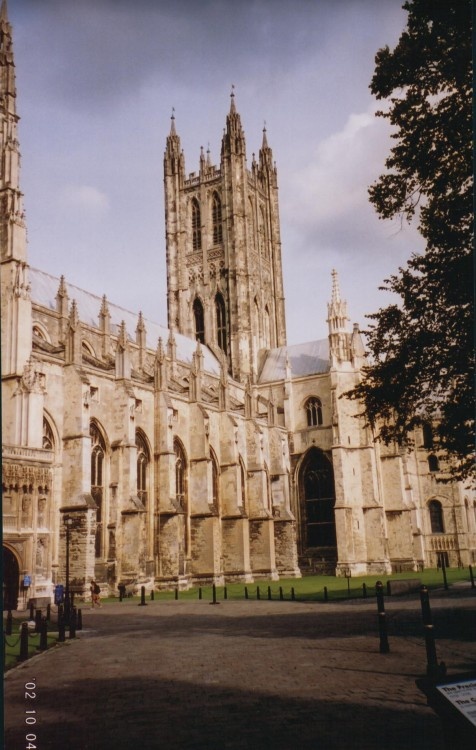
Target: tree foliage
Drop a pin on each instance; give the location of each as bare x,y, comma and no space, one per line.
422,348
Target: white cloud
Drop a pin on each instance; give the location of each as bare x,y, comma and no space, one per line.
335,181
86,198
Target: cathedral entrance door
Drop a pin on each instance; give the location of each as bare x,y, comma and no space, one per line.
11,579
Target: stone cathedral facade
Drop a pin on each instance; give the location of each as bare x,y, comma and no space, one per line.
208,450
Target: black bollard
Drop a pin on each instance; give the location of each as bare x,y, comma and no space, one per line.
61,627
425,605
382,619
38,621
293,597
143,602
48,612
32,611
214,595
471,576
246,592
43,634
9,623
225,593
152,595
269,593
176,593
326,594
443,570
258,595
72,622
24,641
79,625
199,592
60,613
67,610
364,591
281,596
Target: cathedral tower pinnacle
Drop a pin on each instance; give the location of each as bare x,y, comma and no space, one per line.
224,271
15,297
12,225
337,318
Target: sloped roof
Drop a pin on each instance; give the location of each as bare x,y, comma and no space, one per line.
311,358
44,289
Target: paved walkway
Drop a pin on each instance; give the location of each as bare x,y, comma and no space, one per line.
253,674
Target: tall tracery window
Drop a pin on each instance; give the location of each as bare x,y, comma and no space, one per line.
266,327
215,482
143,460
196,226
98,454
313,408
318,494
199,318
243,485
217,220
221,322
436,517
48,442
262,232
180,467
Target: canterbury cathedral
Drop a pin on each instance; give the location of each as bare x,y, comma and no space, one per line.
207,450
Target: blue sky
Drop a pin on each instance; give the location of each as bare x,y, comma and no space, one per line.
97,81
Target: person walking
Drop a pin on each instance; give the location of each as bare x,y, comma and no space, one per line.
95,594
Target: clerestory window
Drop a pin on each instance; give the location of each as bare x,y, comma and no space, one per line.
217,220
313,408
196,226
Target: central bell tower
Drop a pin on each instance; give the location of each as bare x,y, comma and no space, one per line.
224,271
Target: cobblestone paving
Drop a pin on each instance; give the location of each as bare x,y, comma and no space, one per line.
183,675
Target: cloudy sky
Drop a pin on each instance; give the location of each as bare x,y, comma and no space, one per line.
97,81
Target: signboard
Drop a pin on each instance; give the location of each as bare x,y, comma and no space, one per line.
462,695
26,581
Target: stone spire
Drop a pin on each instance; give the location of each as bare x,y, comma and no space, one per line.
266,154
12,225
173,157
233,142
337,319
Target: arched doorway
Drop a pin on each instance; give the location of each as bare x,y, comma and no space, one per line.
11,579
317,499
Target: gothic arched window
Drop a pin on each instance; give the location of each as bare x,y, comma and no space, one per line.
180,467
199,318
266,327
98,454
48,439
433,463
243,485
436,517
217,220
221,322
318,497
313,408
215,482
143,461
262,232
196,226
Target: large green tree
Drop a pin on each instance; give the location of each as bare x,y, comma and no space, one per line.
421,368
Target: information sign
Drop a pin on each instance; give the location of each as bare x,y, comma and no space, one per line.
462,695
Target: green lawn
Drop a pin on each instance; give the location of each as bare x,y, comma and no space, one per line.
311,588
12,642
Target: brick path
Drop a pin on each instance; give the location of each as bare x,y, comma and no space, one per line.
256,675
